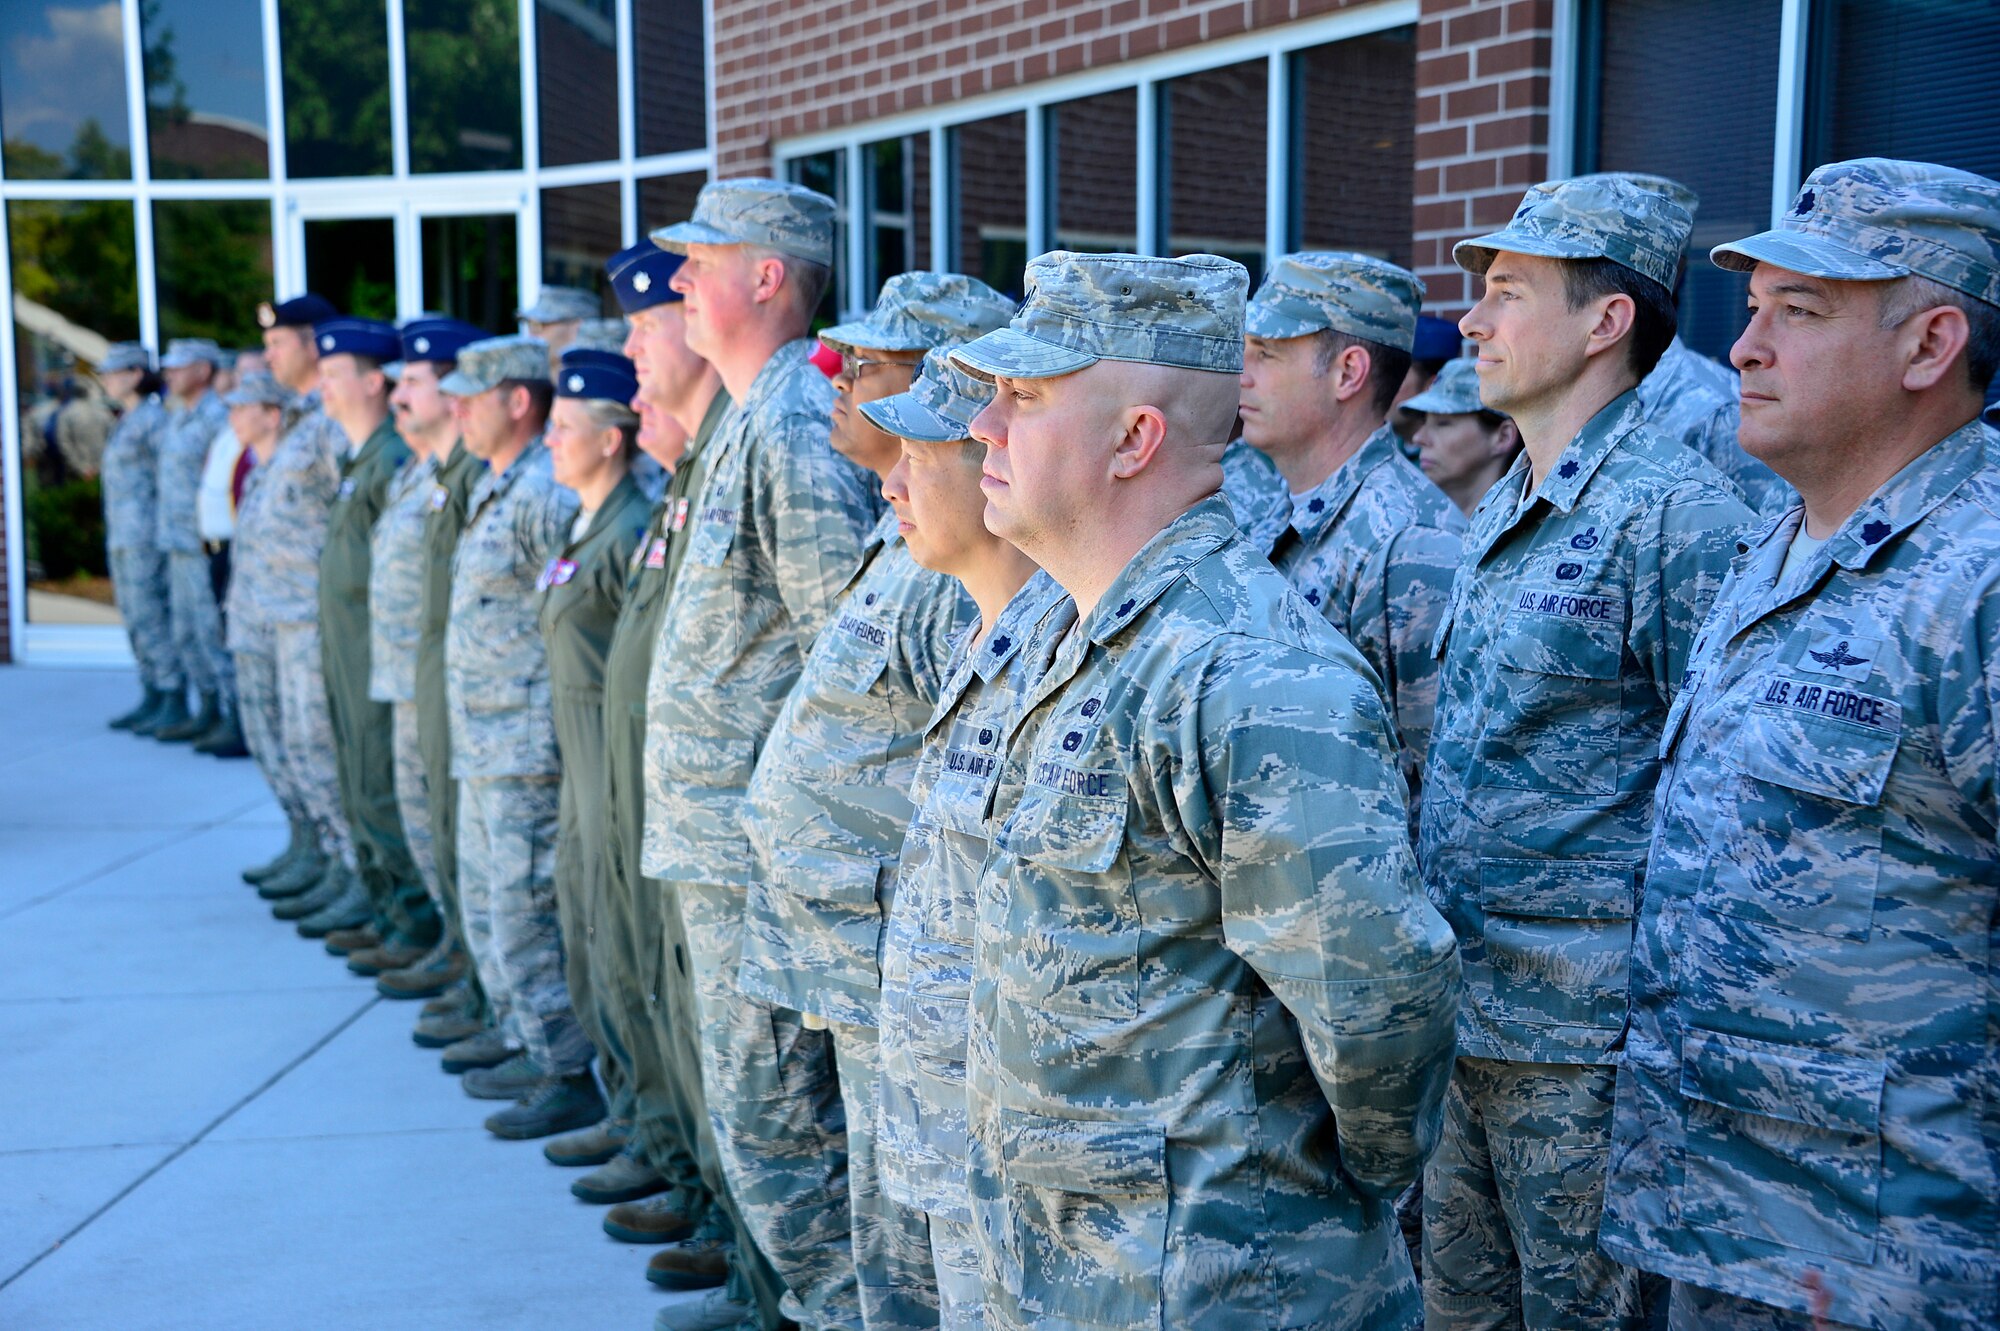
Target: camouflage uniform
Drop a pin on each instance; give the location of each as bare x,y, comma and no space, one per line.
444,521
280,530
503,753
927,951
582,589
395,626
130,485
1203,970
1806,1083
1374,545
363,727
1568,628
195,614
775,535
253,642
1692,399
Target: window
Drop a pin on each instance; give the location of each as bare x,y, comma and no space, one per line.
464,59
1213,175
335,56
352,262
576,61
472,268
75,293
212,264
62,91
990,187
899,210
827,173
1642,55
668,199
1892,78
1094,142
580,230
204,68
669,62
1353,134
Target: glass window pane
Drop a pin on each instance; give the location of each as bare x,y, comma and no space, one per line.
671,72
464,60
990,187
1214,168
352,262
1892,78
1354,131
580,230
1096,172
827,173
899,200
472,268
664,200
1718,144
576,71
336,75
75,292
212,261
62,91
205,88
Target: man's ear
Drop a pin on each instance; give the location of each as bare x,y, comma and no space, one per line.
1139,443
1931,343
770,273
1614,322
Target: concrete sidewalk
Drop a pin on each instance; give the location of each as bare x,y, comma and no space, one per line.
205,1121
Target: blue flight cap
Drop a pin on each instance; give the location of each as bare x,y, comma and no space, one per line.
358,337
1437,339
641,276
586,372
438,339
305,311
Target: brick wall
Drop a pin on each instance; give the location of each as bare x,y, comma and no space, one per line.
1482,127
784,69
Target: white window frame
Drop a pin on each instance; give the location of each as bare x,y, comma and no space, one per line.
401,195
1274,45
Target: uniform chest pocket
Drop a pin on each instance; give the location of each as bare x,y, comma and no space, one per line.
1554,717
1800,843
824,874
958,807
713,535
1087,1218
854,653
1559,939
1783,1144
1070,904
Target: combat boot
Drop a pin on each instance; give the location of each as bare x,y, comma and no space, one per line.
715,1311
557,1104
658,1219
489,1048
260,874
343,942
441,1030
625,1177
511,1080
315,898
390,954
427,977
701,1262
172,711
149,702
225,738
194,727
593,1146
349,909
305,873
458,996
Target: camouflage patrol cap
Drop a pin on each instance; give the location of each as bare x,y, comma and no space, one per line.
1666,185
939,407
125,356
559,305
1455,391
259,389
1083,308
1875,219
918,311
602,334
189,350
489,363
1590,217
753,211
1356,294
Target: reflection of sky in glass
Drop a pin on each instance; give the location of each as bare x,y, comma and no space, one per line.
218,52
61,64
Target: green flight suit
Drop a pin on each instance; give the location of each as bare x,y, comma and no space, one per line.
446,519
364,752
582,588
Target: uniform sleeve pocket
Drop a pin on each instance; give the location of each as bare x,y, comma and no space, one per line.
824,874
1087,1202
1559,940
1783,1143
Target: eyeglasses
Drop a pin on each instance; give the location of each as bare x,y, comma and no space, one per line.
853,367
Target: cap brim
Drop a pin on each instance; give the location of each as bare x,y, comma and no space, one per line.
1439,404
1475,256
861,335
900,415
460,384
1013,354
676,238
1815,256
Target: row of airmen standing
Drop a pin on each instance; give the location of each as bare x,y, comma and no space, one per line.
1093,890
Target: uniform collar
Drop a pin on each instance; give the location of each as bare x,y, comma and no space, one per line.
1318,508
718,407
625,493
1911,494
1586,453
380,438
1038,597
1191,537
794,357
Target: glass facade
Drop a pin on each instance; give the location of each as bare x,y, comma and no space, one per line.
464,84
472,267
581,228
204,70
352,262
990,195
576,69
211,265
62,91
335,55
1094,151
1354,145
1213,167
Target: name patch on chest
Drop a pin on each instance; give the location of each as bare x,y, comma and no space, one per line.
1570,605
865,629
1067,780
1863,709
719,516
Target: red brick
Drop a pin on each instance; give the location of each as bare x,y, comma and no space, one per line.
1515,53
1476,26
1462,177
1491,210
1530,16
1183,31
1430,35
1516,131
1105,51
1434,71
1480,99
1439,216
1226,21
1445,141
1525,92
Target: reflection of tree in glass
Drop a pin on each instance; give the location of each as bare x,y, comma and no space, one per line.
182,149
91,156
336,73
77,259
465,84
214,264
